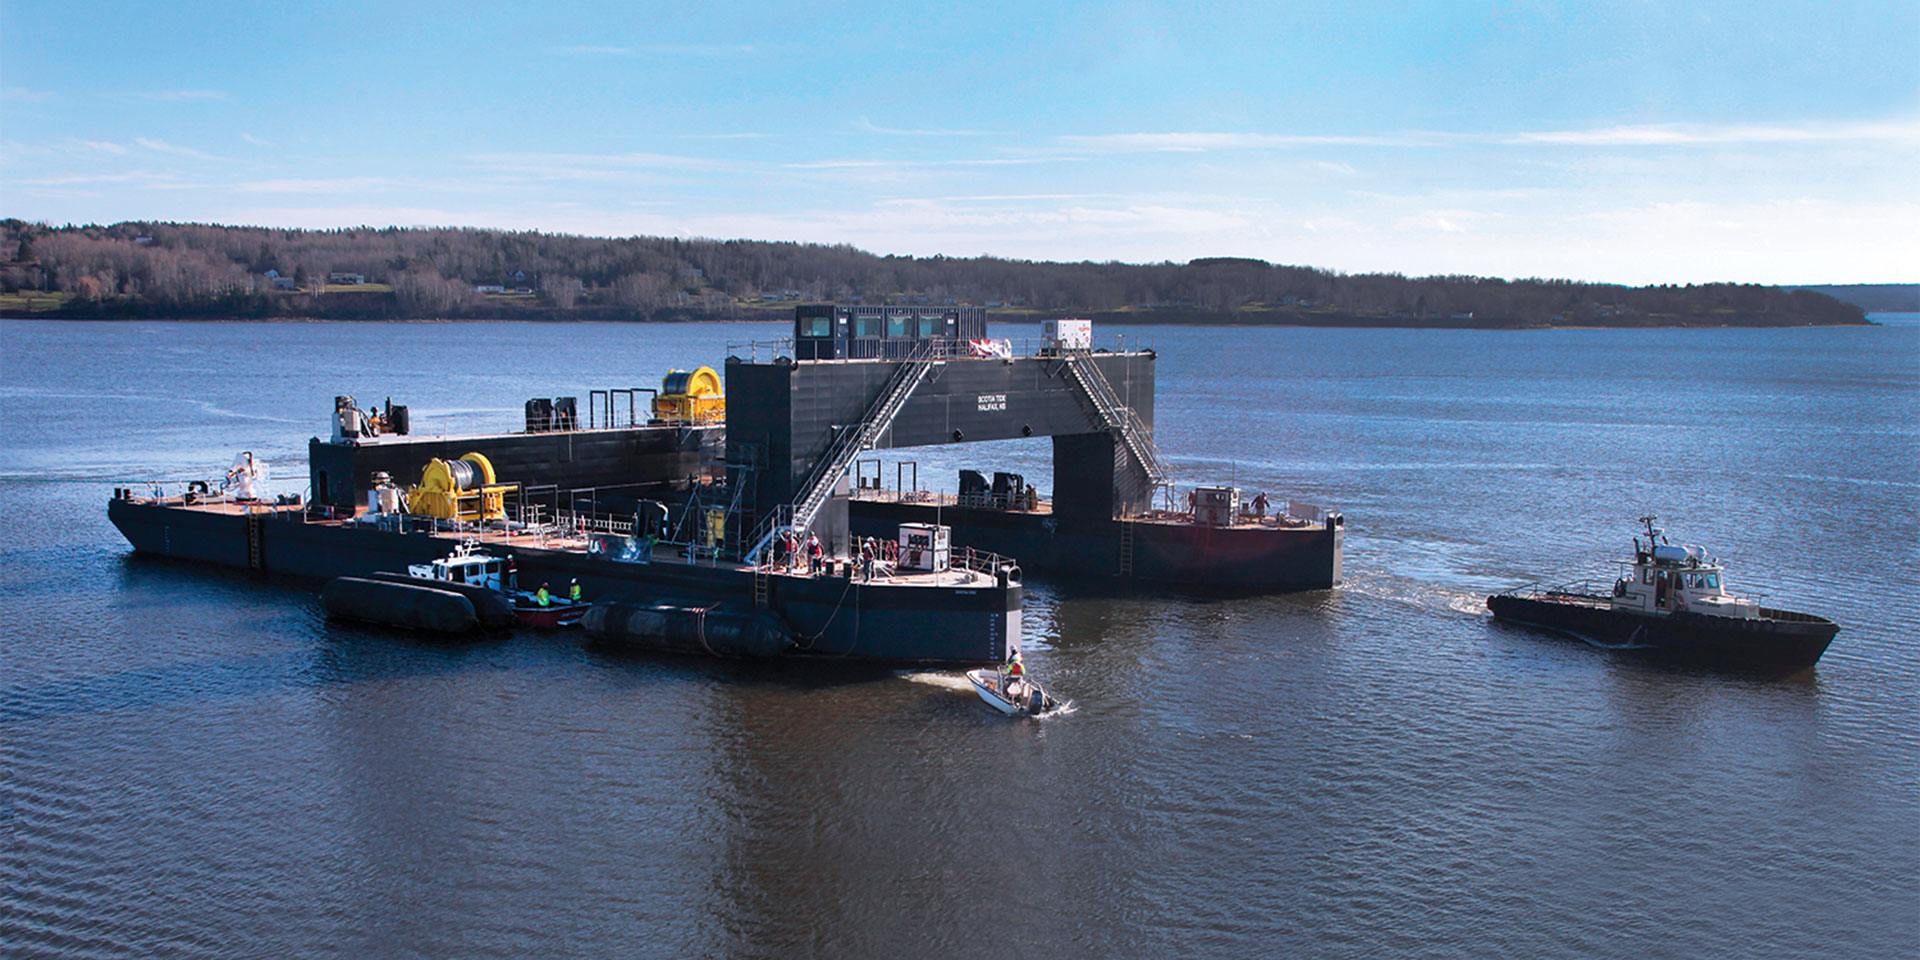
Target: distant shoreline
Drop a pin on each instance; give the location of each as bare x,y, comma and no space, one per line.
181,271
1099,317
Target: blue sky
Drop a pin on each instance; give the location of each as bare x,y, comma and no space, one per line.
1629,142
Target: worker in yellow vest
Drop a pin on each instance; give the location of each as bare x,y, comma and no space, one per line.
573,591
542,597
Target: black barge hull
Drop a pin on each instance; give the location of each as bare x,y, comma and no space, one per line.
1781,641
1238,560
830,616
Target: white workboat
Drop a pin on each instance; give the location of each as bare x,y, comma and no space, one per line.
1013,697
471,565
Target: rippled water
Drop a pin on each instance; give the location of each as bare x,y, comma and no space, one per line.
197,764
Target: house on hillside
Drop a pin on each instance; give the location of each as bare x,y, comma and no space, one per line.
347,279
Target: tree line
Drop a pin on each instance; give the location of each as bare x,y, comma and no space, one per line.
188,269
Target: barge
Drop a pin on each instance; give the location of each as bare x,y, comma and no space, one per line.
690,505
962,615
856,379
650,528
1230,551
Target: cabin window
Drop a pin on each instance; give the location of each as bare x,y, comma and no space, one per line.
459,575
897,326
1646,575
818,327
1713,581
867,326
930,326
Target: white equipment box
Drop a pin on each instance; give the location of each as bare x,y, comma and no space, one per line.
1067,334
925,547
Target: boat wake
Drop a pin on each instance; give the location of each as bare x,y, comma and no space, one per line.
945,681
1419,593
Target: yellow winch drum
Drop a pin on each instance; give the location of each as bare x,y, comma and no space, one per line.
690,396
462,489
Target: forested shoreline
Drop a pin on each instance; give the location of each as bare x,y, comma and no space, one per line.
207,271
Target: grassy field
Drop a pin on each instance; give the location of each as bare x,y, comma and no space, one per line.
33,302
359,288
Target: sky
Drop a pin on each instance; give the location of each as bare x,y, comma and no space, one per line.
1629,142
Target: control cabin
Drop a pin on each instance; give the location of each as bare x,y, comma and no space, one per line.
835,332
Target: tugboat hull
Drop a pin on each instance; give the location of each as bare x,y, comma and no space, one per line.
1780,640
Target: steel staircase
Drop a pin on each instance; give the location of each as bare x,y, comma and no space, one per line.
1119,417
849,444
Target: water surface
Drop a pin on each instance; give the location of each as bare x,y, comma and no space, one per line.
198,765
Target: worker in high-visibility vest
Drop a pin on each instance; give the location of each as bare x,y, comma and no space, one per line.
542,597
573,590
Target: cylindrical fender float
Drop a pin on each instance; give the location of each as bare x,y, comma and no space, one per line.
697,630
398,605
493,608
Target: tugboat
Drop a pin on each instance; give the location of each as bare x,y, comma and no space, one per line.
1674,604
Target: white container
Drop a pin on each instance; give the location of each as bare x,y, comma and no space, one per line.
1067,334
1216,506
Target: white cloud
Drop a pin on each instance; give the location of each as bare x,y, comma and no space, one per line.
565,165
1647,135
316,185
871,127
181,94
23,95
1195,142
256,141
655,49
1441,221
126,176
162,146
1664,135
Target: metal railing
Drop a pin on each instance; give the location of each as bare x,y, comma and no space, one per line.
1119,417
955,348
